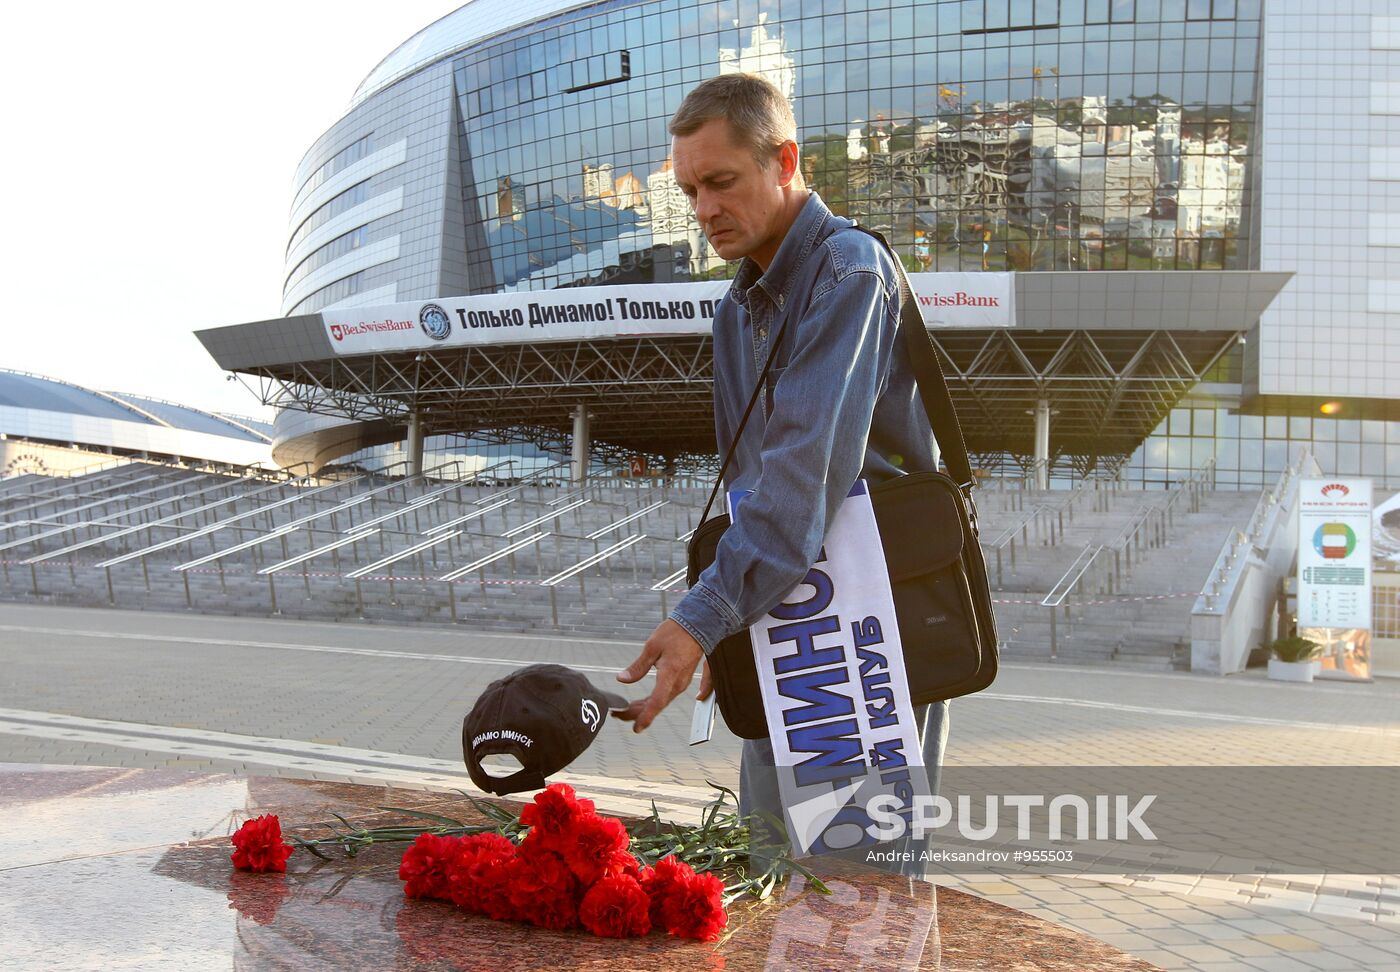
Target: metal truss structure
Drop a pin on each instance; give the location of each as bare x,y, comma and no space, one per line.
1107,389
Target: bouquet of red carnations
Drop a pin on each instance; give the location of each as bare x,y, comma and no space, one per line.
573,868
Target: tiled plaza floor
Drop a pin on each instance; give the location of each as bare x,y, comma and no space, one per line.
368,702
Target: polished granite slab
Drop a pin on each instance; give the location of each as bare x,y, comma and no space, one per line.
106,868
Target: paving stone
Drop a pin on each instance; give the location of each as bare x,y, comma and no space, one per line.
1276,963
1209,929
1245,946
1371,957
1294,943
413,706
1201,953
1159,957
1170,937
992,888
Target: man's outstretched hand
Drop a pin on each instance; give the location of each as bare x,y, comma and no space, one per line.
674,654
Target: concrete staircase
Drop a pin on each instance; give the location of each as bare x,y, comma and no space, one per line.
613,600
1144,619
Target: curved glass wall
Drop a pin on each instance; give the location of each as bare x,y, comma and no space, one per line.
332,293
350,154
977,134
321,256
328,210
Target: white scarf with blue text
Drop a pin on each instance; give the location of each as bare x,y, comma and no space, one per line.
835,693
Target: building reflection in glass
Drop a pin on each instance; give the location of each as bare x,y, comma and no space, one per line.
1091,136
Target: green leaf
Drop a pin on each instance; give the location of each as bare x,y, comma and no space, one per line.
309,847
448,821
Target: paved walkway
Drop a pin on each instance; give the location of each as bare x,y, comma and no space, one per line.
366,702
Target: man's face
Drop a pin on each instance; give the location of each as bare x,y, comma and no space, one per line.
738,203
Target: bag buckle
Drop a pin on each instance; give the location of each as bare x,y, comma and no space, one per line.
967,489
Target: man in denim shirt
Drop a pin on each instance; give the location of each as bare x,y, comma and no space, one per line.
840,404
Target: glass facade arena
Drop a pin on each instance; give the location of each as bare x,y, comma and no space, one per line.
1023,135
1251,450
977,134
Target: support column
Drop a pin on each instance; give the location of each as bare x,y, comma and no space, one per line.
578,464
1042,444
415,444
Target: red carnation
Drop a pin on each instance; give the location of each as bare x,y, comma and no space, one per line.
477,855
426,866
695,909
624,863
543,890
616,907
258,845
660,882
672,870
552,814
493,893
592,845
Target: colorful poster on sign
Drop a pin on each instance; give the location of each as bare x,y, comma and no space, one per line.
835,693
1334,553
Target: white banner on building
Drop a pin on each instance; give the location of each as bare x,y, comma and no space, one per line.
835,693
965,299
1334,553
602,313
570,314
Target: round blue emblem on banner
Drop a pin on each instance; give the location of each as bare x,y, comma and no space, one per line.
435,322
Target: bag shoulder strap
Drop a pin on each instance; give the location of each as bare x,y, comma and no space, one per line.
928,376
748,410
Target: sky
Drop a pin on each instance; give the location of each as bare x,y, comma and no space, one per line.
148,174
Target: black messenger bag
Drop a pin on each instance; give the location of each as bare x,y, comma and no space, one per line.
928,528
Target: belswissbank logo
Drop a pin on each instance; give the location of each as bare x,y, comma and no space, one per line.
341,331
1335,491
959,298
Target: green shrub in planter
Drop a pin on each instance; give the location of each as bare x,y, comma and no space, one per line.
1293,649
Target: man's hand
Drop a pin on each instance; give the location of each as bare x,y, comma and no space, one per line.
674,654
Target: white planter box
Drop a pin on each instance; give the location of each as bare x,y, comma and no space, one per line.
1282,671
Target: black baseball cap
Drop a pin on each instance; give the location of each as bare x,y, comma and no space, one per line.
543,715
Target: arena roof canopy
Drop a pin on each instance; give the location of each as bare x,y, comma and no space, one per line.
1111,353
46,409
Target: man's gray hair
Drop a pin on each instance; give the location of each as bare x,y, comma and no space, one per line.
760,118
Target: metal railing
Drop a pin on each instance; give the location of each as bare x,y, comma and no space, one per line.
1151,527
477,567
1225,571
308,555
164,521
1006,540
551,515
303,559
397,555
663,587
577,571
630,518
215,527
1101,568
457,526
1069,583
468,517
290,527
494,556
102,521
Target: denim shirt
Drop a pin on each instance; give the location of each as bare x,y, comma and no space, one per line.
841,404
